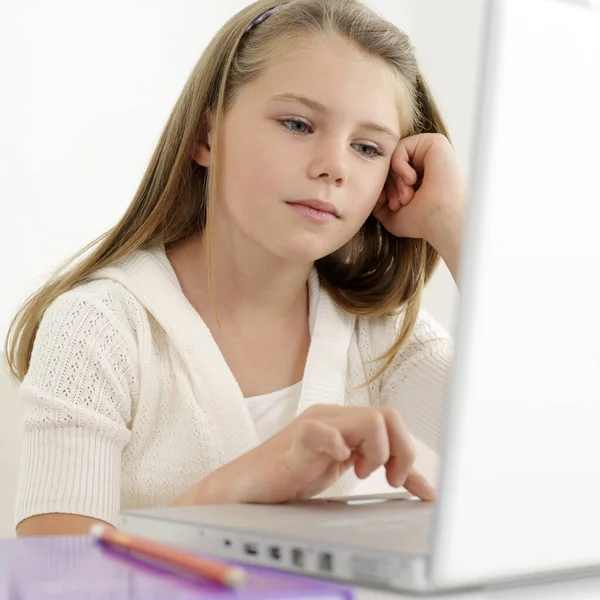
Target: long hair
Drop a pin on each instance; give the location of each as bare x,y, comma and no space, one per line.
376,273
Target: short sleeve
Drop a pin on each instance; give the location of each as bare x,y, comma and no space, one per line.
77,397
417,382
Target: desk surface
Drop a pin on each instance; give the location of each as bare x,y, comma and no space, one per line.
574,589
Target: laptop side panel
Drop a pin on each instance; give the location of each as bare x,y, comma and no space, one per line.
520,483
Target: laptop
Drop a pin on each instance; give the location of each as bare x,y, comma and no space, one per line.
519,494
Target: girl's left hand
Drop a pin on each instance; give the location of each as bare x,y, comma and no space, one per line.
424,193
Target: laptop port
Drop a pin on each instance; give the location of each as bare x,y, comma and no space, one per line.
251,549
326,562
298,557
275,552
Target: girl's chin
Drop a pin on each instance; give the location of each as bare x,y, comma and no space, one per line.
305,255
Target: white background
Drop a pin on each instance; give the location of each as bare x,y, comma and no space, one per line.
87,89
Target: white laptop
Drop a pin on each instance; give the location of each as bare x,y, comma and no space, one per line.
519,496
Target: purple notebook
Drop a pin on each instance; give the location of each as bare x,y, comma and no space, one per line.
77,568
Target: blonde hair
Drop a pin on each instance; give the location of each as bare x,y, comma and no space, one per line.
375,274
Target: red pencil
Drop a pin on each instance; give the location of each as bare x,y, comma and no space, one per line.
169,557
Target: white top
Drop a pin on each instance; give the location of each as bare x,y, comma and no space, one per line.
129,401
273,411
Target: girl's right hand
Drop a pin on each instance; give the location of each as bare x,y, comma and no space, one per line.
313,452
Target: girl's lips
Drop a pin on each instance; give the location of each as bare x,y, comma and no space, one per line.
313,214
318,205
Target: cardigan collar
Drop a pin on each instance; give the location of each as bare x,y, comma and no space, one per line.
149,276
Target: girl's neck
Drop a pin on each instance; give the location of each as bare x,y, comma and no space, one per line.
244,290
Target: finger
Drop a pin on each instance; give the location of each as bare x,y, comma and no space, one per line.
402,450
405,172
315,450
417,485
374,447
405,195
417,146
354,456
314,438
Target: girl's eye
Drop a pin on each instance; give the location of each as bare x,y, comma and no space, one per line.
374,152
294,122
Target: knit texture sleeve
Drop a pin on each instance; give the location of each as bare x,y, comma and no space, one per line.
78,401
417,382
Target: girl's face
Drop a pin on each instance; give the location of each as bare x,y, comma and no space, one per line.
335,147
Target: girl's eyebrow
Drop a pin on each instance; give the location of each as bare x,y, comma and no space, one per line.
321,108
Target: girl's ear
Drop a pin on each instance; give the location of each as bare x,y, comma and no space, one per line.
202,148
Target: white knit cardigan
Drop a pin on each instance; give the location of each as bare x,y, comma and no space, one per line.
129,402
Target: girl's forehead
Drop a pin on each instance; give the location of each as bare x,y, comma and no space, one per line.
310,52
342,71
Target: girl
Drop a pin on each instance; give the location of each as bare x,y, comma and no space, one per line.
250,330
